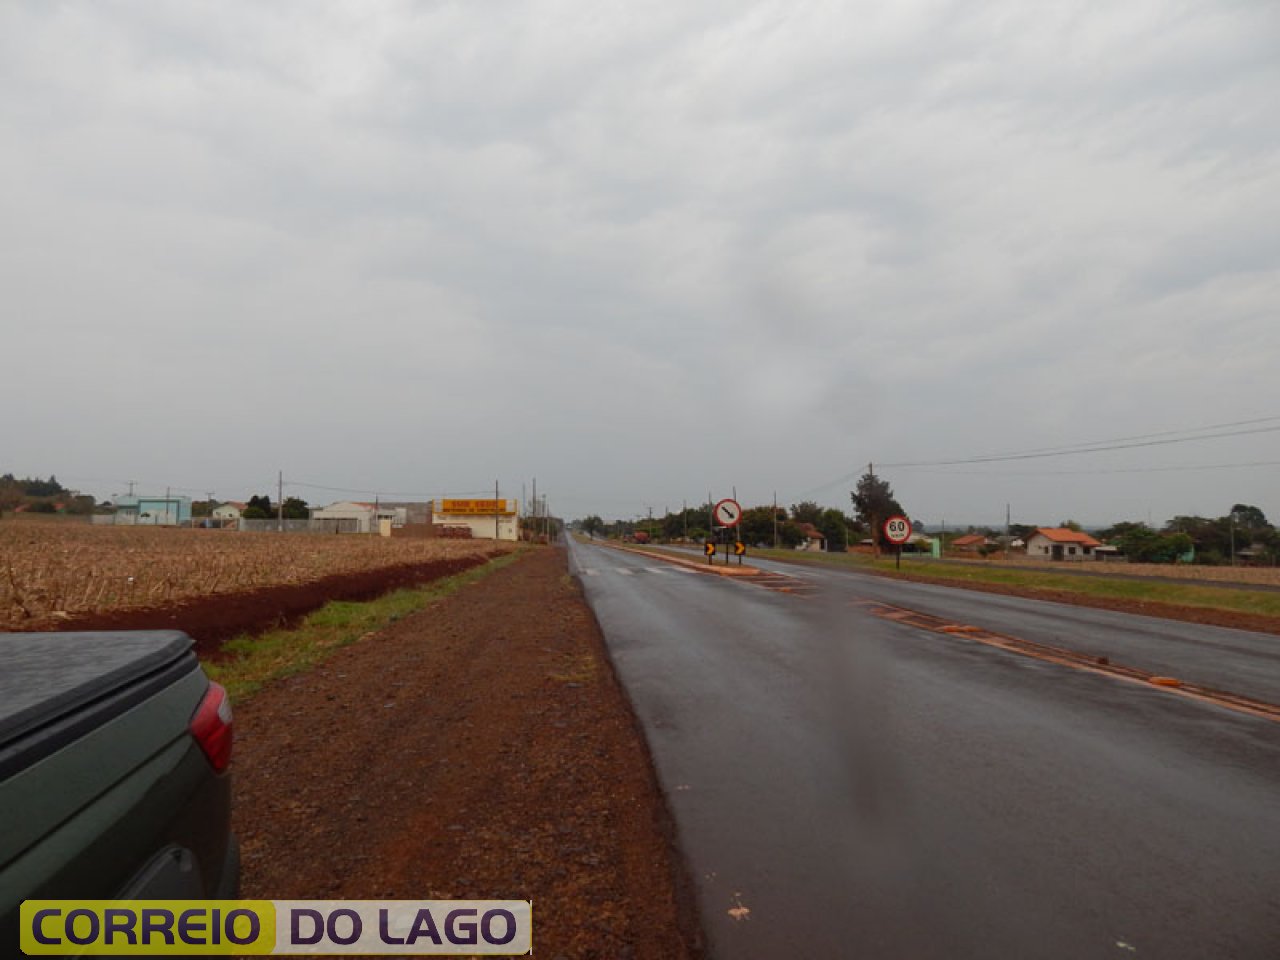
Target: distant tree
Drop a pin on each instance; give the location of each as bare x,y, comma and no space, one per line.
757,524
262,504
41,488
806,512
1070,525
873,502
789,535
295,508
255,513
591,525
835,529
1248,518
1122,529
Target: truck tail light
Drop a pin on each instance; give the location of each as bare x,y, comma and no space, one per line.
211,726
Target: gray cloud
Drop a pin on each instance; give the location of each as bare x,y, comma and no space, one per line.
641,251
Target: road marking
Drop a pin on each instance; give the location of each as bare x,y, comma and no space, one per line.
1089,663
590,572
658,569
625,571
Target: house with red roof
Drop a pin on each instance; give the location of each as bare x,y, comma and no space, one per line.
1061,543
969,543
813,538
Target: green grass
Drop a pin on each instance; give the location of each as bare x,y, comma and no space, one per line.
257,660
1131,588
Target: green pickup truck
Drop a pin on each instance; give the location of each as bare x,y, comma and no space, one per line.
113,772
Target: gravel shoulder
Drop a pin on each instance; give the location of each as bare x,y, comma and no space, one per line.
479,749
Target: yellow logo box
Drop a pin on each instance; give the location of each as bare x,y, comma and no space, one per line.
276,927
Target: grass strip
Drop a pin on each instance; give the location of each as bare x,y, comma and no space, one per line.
1263,603
258,659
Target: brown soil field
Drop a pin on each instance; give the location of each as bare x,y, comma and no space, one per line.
53,574
481,748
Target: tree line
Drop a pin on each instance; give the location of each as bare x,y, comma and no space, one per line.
872,501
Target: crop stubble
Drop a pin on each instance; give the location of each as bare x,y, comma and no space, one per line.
56,571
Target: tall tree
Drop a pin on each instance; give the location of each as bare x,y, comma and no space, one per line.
873,502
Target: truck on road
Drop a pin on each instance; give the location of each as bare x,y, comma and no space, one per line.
114,750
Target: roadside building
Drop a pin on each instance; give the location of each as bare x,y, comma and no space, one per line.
1061,543
485,519
813,539
226,514
145,511
354,516
969,543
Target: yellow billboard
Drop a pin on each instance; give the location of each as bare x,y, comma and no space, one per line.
477,508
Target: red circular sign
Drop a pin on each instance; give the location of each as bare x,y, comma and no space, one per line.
897,529
728,513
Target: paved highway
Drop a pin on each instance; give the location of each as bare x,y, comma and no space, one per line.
849,786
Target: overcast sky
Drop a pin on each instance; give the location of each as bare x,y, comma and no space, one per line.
645,251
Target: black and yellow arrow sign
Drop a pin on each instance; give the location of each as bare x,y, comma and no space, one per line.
739,548
710,549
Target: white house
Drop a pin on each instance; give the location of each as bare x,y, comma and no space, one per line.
231,510
1060,543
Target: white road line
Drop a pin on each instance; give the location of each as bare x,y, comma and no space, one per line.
625,571
590,572
658,569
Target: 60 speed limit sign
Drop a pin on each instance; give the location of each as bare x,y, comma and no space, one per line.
897,530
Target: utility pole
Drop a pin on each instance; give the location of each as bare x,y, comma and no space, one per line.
280,502
535,507
131,485
775,519
684,515
1007,536
497,512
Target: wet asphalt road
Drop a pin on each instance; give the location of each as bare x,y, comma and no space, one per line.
869,789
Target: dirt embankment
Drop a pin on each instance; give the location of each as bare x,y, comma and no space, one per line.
212,620
479,749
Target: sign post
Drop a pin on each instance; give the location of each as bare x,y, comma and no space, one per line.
728,514
897,530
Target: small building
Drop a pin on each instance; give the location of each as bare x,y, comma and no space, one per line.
969,543
1061,543
353,516
813,538
165,511
486,519
228,512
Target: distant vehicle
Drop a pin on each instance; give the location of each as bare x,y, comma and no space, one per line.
113,772
640,536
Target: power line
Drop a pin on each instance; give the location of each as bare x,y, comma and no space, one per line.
1081,473
1074,452
1160,438
1063,447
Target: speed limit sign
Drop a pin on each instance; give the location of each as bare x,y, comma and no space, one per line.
897,530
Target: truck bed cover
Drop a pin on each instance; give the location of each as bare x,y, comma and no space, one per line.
47,680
